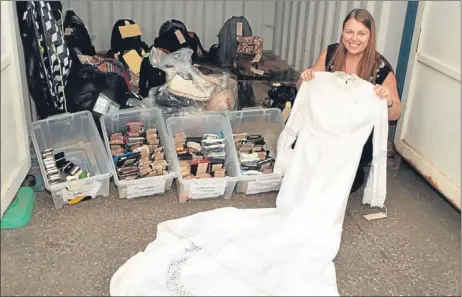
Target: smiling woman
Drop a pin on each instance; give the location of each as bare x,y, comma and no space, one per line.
357,48
356,54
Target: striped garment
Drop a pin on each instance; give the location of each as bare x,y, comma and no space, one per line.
55,57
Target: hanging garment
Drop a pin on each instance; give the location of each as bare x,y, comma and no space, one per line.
55,55
287,250
47,56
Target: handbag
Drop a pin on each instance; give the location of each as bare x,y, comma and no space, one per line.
249,58
249,51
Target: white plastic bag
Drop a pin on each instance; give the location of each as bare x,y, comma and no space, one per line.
186,82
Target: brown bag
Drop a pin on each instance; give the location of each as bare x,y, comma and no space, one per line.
250,45
249,55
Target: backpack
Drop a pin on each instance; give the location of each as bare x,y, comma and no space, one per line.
168,25
123,45
227,44
76,36
173,35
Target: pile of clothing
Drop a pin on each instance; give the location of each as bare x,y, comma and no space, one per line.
137,152
201,156
253,155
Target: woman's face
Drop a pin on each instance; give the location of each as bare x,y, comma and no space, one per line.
355,36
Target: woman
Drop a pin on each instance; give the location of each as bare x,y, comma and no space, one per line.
356,54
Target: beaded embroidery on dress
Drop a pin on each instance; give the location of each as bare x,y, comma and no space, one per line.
282,251
347,78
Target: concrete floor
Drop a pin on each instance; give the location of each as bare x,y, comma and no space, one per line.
76,250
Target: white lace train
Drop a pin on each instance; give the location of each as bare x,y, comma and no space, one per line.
287,250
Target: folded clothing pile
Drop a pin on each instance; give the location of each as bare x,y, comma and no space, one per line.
202,156
58,169
137,152
253,156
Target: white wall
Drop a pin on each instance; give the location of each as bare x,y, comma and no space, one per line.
205,17
392,17
305,28
295,30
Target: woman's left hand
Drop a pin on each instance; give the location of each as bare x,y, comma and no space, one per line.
382,92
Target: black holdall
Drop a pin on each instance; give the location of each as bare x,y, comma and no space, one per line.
173,35
87,82
279,95
172,24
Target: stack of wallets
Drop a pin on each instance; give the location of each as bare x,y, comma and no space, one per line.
253,156
201,156
137,152
58,169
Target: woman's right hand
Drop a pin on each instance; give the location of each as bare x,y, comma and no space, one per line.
307,75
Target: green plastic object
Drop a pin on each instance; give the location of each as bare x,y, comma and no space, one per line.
20,210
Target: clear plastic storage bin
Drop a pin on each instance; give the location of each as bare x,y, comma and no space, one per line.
151,118
77,136
269,123
208,188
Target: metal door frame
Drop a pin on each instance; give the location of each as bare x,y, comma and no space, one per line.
400,144
14,178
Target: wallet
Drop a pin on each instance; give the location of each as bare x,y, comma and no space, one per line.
134,127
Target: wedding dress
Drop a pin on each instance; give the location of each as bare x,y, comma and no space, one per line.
287,250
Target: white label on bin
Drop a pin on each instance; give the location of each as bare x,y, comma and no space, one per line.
104,105
146,189
77,189
204,191
262,186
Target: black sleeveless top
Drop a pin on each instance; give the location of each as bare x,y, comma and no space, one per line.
381,74
382,71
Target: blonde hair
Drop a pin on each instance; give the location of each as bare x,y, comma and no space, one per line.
370,59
